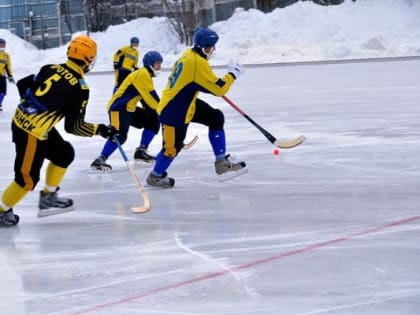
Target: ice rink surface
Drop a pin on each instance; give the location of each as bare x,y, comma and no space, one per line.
329,227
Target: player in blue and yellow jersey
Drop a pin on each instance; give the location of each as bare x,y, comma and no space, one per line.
58,91
124,112
179,106
5,70
126,61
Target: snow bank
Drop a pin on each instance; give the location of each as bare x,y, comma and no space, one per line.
301,32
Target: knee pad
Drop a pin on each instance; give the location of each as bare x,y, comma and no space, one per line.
122,137
154,122
64,156
154,126
151,120
217,120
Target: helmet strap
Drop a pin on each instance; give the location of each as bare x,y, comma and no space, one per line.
208,53
87,68
154,72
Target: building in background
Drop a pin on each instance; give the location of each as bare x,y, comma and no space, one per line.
44,23
51,23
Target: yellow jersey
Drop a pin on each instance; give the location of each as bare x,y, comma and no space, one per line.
5,64
137,87
126,58
190,75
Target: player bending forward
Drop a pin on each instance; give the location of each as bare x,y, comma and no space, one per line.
123,112
57,91
179,106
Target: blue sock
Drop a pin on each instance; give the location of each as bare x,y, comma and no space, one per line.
218,143
1,98
146,137
162,164
108,149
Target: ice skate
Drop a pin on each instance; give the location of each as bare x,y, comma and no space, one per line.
160,181
227,169
8,218
142,155
51,204
99,165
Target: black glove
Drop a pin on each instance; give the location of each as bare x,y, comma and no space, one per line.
108,132
11,80
115,65
26,83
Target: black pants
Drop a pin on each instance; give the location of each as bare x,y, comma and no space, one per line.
121,75
173,137
31,153
140,118
3,85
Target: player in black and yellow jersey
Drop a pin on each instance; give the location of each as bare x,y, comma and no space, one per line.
179,106
5,71
123,110
58,91
126,60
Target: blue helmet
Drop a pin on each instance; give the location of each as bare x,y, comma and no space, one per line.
134,40
205,37
2,41
151,57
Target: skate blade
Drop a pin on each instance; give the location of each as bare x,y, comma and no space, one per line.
143,161
151,187
93,170
53,211
231,175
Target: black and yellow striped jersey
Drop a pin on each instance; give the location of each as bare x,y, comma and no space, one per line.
57,91
5,64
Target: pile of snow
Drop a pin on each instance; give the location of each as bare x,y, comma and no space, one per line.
306,31
301,32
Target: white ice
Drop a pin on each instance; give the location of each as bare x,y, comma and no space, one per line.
329,227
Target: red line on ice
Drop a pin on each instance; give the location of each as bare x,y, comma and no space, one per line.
246,266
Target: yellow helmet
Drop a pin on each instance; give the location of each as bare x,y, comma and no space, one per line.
82,48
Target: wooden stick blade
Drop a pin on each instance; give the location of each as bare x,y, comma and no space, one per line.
146,205
142,209
290,144
146,199
191,143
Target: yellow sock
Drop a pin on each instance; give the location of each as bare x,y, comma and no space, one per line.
12,195
53,178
